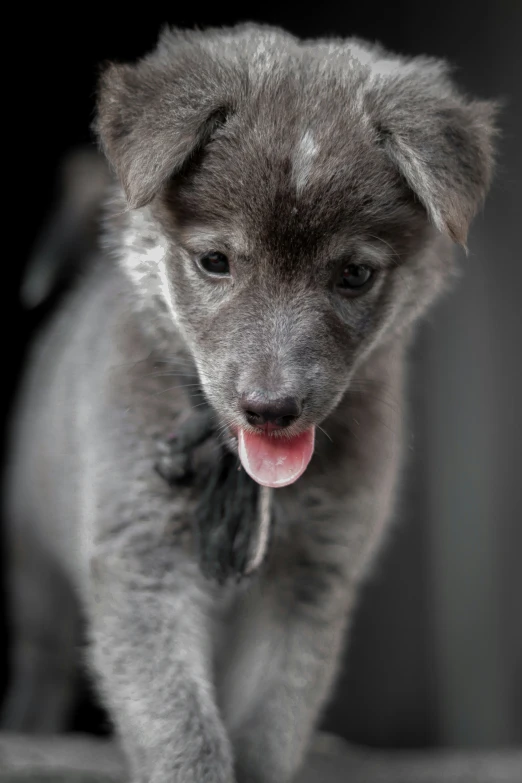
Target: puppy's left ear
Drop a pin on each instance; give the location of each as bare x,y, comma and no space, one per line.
440,142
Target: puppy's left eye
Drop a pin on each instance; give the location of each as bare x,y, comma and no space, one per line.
215,263
355,279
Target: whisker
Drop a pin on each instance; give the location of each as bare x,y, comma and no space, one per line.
367,391
176,360
393,405
168,374
325,433
172,388
130,364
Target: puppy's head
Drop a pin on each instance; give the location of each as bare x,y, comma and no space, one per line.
291,205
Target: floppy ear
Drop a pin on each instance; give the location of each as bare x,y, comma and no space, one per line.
152,116
440,142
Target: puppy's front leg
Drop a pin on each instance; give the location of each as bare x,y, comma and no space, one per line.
295,676
151,649
301,606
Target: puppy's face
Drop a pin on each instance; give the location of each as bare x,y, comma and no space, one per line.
289,259
301,194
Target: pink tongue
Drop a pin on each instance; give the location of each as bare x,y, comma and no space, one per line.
273,461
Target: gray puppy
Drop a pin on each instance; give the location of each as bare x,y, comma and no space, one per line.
286,213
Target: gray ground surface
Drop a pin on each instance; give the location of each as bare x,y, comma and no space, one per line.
85,760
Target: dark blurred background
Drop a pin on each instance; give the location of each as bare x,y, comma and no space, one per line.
435,656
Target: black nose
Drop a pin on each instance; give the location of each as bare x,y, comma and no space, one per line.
263,408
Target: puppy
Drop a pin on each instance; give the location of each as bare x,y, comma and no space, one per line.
285,213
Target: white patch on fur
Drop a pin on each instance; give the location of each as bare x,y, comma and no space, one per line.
264,58
143,257
265,508
386,67
304,157
362,55
165,288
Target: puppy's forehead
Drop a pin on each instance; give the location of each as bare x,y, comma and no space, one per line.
293,166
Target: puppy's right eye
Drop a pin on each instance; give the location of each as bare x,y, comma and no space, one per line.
215,263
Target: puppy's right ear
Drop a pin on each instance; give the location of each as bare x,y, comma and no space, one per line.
152,116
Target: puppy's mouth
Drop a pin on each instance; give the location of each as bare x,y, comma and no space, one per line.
275,461
273,456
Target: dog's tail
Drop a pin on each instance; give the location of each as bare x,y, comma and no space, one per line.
72,231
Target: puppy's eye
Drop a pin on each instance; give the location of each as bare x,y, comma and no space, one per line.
215,263
355,279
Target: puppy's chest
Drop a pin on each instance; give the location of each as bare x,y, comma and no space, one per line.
136,413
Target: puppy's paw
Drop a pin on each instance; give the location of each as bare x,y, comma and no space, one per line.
211,769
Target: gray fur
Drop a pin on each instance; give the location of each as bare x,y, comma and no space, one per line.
290,157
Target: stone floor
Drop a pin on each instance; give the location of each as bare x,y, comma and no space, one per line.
78,759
